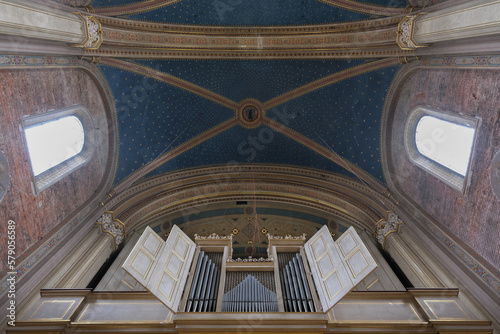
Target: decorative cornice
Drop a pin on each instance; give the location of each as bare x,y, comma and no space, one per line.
312,29
127,37
386,226
109,224
292,53
406,29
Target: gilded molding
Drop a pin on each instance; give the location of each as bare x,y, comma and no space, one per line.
94,33
249,31
109,224
406,30
148,39
386,226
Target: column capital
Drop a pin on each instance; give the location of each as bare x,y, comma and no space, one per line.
109,224
406,31
93,31
386,226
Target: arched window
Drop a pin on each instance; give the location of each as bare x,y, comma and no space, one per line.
441,143
58,142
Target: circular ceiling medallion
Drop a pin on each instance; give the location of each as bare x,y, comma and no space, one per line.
4,175
495,174
250,113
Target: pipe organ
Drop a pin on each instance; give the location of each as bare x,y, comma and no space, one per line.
196,285
297,276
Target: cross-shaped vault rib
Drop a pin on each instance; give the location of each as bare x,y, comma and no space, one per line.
336,77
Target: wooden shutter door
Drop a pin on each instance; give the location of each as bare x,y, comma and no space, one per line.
166,276
337,267
329,274
358,259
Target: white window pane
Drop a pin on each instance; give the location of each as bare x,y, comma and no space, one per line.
51,143
447,143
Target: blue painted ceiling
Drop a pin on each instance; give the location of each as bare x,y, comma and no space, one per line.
254,12
155,117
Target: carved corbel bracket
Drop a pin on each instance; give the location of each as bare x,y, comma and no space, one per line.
406,30
109,224
94,33
384,227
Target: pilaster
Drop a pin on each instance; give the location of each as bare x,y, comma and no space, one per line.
407,254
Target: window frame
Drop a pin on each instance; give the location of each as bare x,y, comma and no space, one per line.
445,174
58,172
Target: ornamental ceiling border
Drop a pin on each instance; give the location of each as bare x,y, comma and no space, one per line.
305,175
121,37
194,205
210,183
325,191
248,30
238,189
90,208
457,248
148,5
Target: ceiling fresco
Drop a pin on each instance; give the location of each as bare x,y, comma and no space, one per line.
314,103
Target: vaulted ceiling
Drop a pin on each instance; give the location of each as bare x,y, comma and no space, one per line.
176,114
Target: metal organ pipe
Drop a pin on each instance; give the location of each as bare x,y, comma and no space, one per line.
297,296
203,294
250,295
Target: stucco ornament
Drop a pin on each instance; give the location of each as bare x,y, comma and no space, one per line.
252,259
387,226
112,226
286,237
406,30
94,32
213,236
